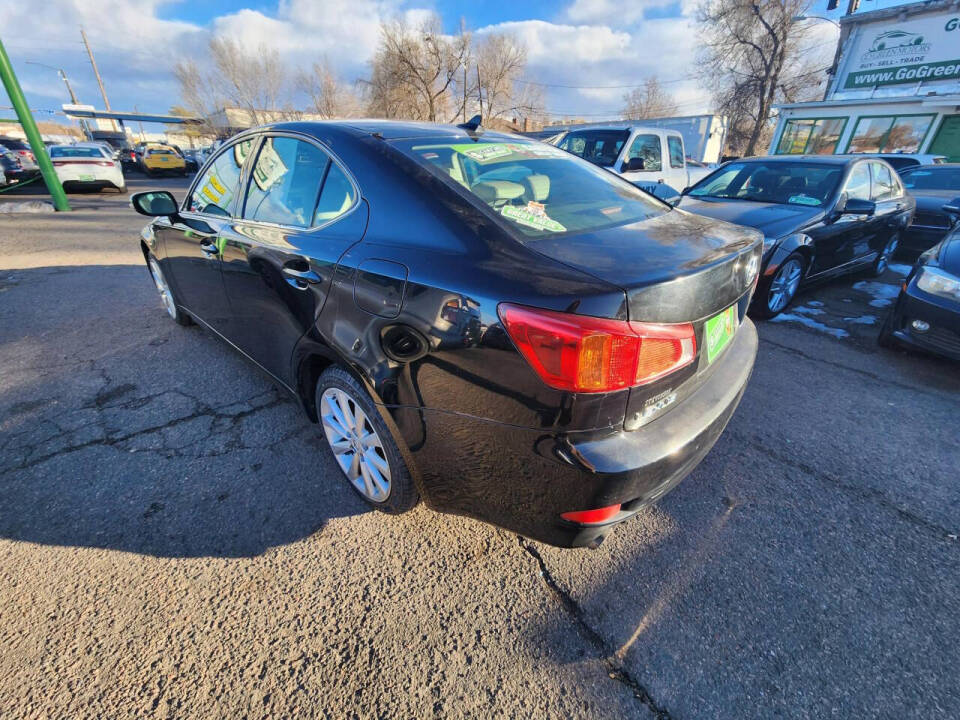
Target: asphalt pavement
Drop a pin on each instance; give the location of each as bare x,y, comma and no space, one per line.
176,541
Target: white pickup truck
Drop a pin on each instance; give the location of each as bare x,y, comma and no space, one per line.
641,154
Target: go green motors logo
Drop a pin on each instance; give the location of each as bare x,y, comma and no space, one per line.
952,24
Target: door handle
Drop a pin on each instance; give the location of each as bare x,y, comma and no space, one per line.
300,279
209,248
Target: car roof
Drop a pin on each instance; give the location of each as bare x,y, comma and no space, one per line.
387,129
628,128
934,166
823,159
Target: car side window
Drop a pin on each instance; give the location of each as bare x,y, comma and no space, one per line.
858,184
216,192
336,197
648,148
285,182
884,186
675,146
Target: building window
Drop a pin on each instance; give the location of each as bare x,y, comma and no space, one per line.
811,136
890,134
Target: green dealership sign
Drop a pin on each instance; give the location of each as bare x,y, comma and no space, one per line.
922,48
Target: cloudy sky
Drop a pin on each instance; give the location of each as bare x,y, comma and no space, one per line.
587,53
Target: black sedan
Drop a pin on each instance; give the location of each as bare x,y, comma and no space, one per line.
932,186
481,321
821,216
927,312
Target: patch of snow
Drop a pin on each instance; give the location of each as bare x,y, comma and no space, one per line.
901,270
862,320
809,310
811,323
27,206
815,303
883,293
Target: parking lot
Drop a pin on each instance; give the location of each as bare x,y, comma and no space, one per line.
175,540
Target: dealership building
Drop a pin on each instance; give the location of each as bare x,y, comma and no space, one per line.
894,87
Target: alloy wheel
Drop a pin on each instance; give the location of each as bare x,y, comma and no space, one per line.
784,285
355,444
161,282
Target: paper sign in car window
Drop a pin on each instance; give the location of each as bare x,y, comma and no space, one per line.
803,200
270,168
531,218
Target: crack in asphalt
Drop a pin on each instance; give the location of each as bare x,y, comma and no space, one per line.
615,669
864,493
203,410
859,371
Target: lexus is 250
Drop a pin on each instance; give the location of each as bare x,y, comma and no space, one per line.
480,321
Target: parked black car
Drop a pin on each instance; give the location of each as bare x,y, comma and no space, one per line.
487,323
932,186
927,312
821,216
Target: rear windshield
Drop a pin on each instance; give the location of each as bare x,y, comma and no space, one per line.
787,183
160,151
78,152
942,178
601,147
536,188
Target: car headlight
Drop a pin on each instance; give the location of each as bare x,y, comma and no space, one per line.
937,282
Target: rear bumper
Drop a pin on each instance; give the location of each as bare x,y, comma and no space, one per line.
523,479
942,315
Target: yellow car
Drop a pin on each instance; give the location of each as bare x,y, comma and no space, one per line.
162,158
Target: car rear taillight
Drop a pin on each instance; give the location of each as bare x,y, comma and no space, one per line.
588,354
586,517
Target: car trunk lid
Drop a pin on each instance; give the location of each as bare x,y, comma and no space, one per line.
673,268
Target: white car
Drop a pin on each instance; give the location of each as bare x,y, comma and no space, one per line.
87,166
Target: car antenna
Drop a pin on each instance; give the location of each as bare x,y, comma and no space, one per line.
471,125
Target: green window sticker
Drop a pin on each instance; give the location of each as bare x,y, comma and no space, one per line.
531,217
483,152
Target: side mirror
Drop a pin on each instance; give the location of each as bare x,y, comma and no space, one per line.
633,165
154,203
856,206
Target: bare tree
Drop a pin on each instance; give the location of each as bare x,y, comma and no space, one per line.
502,59
752,57
649,100
328,95
255,81
415,71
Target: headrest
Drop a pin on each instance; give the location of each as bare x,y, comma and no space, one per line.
537,187
493,190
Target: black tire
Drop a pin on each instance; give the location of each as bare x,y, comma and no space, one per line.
761,306
882,261
173,307
402,494
886,339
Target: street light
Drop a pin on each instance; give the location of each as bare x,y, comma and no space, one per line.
798,18
63,76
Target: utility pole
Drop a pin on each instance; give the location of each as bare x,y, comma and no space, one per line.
29,125
479,91
73,95
96,72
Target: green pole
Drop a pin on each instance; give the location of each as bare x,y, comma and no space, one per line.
33,133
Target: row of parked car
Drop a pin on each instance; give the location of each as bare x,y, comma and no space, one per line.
96,164
821,216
